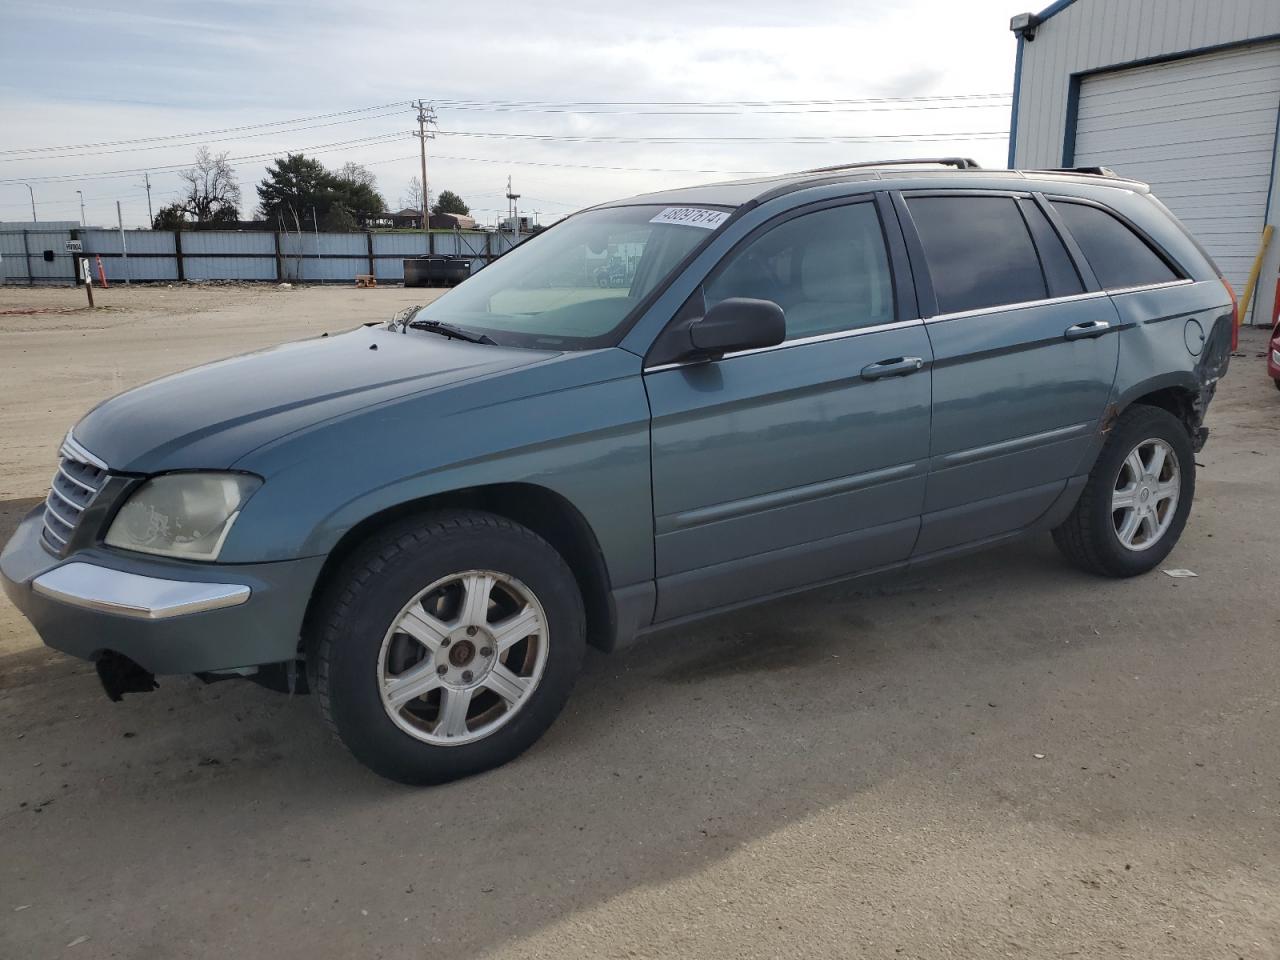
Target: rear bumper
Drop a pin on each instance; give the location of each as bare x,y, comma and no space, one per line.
167,616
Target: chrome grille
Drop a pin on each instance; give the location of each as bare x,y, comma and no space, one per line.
80,477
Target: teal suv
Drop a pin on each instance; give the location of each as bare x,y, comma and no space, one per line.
798,380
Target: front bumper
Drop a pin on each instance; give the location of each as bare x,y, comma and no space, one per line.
167,616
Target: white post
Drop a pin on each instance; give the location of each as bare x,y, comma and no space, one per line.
124,248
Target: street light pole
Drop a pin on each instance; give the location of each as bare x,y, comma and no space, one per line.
33,202
81,192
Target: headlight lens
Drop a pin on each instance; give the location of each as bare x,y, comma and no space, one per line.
185,515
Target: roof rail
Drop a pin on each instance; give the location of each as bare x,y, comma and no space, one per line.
1091,171
960,163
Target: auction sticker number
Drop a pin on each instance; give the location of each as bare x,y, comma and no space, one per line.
692,217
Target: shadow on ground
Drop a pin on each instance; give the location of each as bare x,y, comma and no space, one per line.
12,512
669,757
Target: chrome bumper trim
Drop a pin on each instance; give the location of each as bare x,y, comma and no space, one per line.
133,595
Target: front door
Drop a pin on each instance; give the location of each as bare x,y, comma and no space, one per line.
1024,362
791,465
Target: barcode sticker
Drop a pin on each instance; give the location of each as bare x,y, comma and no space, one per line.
692,217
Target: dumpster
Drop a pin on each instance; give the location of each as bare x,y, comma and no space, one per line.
439,270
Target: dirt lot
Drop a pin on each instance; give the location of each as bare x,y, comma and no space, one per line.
999,757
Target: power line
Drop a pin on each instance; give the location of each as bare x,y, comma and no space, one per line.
956,97
178,146
830,138
201,133
942,101
111,174
571,166
739,112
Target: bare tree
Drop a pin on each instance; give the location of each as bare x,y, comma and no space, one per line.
211,194
358,174
412,199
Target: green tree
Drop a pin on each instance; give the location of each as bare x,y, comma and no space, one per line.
292,187
339,219
172,217
358,197
296,185
450,202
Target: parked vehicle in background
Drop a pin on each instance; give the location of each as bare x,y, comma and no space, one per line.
811,377
1273,356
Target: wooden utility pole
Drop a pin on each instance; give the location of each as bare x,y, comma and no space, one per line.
426,117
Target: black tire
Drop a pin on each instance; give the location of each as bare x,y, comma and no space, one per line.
375,584
1088,537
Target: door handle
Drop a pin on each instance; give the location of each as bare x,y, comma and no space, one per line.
896,367
1090,328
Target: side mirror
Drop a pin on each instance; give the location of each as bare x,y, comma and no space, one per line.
739,323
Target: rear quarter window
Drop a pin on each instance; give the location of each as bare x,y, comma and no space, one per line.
1118,256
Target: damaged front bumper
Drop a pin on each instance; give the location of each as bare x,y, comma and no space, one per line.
166,616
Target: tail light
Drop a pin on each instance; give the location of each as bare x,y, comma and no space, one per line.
1235,315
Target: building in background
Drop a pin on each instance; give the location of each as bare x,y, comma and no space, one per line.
525,224
451,221
1182,94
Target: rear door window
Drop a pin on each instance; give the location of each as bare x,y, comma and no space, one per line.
978,250
1059,272
1118,256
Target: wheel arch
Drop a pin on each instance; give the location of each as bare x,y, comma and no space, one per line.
1181,397
544,511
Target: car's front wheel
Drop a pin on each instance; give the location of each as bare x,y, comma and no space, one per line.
1137,498
447,645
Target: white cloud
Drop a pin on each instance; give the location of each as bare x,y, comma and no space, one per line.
135,69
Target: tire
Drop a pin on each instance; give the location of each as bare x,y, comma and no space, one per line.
1090,538
362,658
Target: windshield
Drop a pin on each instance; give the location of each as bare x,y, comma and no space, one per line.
571,287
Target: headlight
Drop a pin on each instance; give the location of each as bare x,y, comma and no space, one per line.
185,515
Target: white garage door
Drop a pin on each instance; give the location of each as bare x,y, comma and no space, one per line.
1202,132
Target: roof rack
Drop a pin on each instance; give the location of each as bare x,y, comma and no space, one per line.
1091,171
960,163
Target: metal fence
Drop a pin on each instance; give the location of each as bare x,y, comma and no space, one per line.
41,256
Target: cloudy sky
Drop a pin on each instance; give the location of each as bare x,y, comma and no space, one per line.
511,80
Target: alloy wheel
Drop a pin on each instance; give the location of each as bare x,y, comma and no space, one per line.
1145,497
462,657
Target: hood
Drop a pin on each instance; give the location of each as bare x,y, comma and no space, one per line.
211,416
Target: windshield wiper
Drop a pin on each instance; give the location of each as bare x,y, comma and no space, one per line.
449,330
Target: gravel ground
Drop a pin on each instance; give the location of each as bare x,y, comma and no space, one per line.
996,757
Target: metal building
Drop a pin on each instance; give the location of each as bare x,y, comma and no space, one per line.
1183,94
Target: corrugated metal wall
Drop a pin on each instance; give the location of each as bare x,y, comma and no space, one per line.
1094,34
236,255
1201,131
1093,42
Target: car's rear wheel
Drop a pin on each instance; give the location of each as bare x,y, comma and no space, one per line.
447,646
1137,498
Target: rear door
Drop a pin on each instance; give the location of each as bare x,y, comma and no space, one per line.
789,465
1024,361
